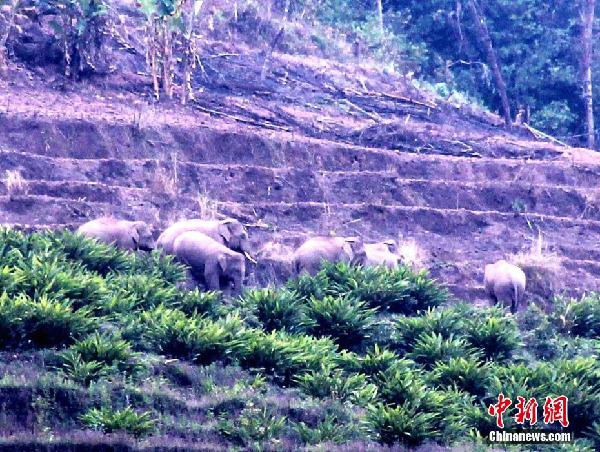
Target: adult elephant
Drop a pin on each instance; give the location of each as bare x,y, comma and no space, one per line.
128,235
211,263
229,232
382,253
310,255
505,283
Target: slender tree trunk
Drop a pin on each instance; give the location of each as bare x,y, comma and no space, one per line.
587,22
483,35
380,15
10,18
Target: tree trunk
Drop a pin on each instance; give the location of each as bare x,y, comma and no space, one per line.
483,35
380,15
587,22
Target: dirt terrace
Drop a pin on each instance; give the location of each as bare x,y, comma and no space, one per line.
315,147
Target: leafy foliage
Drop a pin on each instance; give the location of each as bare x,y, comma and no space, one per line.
275,310
125,420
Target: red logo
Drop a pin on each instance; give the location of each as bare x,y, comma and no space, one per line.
499,408
555,410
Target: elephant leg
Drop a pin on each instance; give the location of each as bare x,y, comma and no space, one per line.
211,276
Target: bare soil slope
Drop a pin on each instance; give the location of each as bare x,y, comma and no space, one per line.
318,146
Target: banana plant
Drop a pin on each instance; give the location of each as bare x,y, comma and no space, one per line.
168,20
79,25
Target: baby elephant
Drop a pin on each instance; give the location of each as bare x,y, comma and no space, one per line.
128,235
505,283
211,263
229,232
382,253
309,256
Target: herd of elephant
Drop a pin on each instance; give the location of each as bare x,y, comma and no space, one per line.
215,252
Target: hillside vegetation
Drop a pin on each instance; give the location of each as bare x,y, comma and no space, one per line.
103,341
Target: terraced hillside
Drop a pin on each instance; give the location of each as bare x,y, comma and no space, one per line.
314,147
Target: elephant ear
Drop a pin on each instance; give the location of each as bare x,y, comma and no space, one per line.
222,260
134,233
225,231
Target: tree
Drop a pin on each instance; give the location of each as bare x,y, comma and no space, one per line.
6,23
380,16
587,23
484,37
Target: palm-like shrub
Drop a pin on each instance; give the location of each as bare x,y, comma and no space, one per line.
142,291
308,287
334,383
431,348
125,420
275,309
402,424
159,266
445,322
378,360
582,317
47,274
258,424
41,322
466,374
94,255
346,320
496,337
73,366
110,351
329,429
280,354
402,384
195,302
174,334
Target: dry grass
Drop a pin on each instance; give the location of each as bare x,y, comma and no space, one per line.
15,183
543,269
167,181
208,209
412,254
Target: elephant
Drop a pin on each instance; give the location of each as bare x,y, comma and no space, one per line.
229,232
308,257
382,253
505,283
210,262
128,235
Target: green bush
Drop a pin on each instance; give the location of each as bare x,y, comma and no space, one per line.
275,309
335,384
41,323
94,255
445,322
282,355
255,424
496,337
467,374
378,360
345,319
46,274
125,420
159,266
402,424
329,429
582,317
195,302
83,372
141,291
174,334
433,348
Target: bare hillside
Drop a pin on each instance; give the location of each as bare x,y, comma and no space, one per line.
317,146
